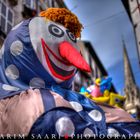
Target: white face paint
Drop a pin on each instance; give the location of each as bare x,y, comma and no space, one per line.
52,34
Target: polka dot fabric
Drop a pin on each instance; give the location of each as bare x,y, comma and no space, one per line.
66,122
20,68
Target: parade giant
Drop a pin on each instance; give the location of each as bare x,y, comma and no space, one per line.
38,61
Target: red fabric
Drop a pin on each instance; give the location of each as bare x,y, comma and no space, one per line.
68,52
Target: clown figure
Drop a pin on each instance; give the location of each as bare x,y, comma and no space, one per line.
38,61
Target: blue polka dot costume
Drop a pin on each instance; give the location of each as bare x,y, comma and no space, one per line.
26,64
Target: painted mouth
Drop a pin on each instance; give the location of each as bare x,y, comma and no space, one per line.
56,71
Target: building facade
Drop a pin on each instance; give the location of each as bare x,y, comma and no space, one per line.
14,11
133,9
132,92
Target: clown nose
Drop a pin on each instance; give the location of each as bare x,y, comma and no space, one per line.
71,54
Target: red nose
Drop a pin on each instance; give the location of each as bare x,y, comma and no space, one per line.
71,54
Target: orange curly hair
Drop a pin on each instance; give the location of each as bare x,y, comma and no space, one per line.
64,17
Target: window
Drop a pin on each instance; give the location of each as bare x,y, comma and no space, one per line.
3,9
10,16
6,17
3,23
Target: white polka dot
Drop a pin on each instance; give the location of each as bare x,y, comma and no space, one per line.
9,88
37,83
95,115
12,72
112,132
16,48
137,134
88,132
64,126
15,27
76,106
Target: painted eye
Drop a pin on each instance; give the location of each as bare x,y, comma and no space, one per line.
71,36
55,30
117,100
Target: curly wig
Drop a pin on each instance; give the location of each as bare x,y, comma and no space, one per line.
64,17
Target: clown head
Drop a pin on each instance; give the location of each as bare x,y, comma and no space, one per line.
54,39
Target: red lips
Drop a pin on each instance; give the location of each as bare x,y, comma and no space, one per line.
55,73
70,55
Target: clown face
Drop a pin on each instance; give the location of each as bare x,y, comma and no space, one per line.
56,48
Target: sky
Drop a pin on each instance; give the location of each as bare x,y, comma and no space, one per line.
106,24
